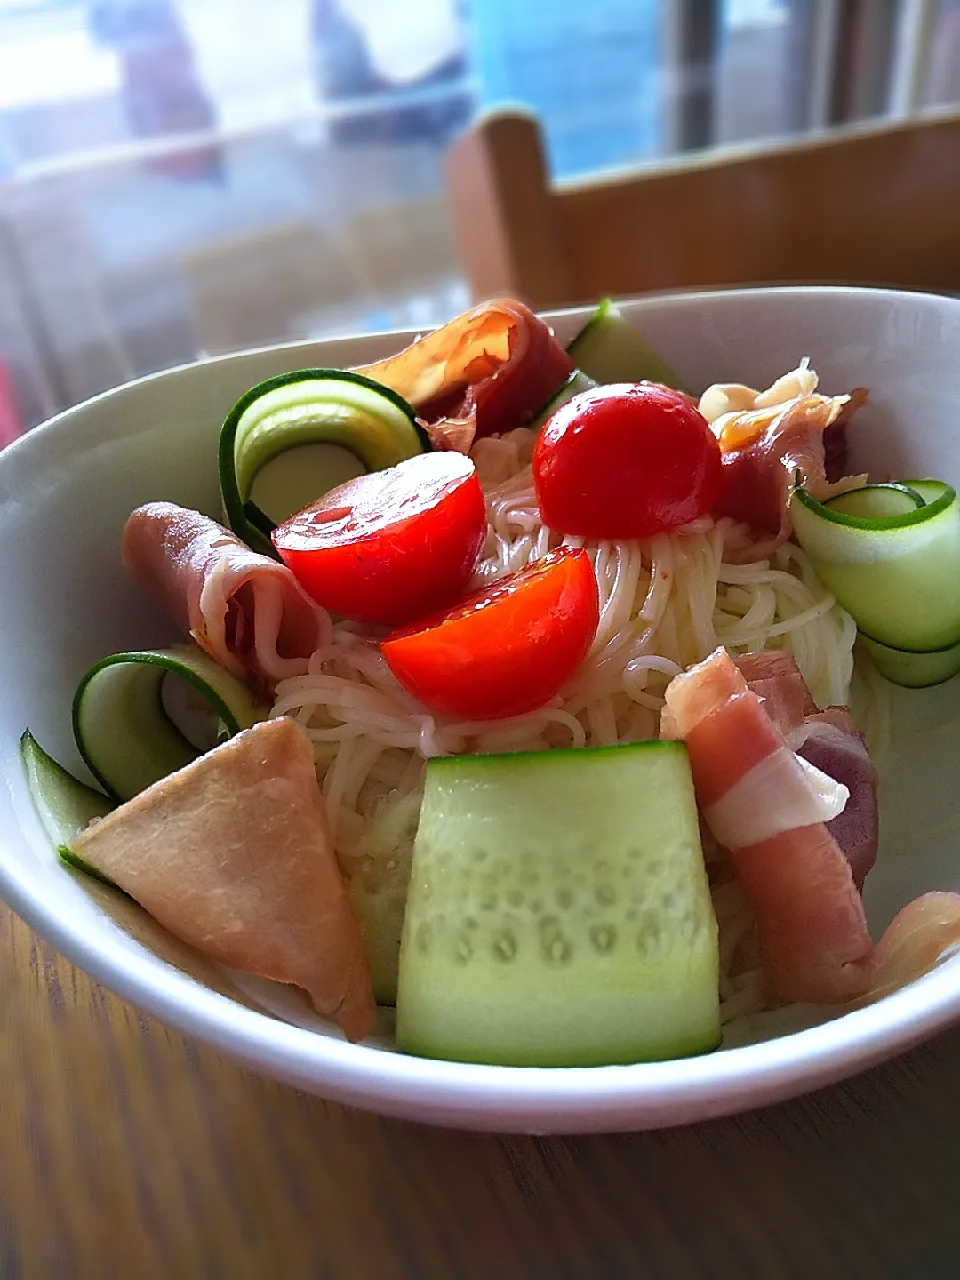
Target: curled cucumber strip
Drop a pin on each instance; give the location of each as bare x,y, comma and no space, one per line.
891,556
574,385
914,670
64,804
609,349
122,726
292,438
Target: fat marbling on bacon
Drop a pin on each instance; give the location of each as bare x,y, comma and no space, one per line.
244,609
488,371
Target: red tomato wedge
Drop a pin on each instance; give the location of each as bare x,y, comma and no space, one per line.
392,545
505,649
626,461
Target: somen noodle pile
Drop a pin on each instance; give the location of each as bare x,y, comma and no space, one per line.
666,602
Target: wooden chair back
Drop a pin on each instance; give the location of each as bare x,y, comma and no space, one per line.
873,205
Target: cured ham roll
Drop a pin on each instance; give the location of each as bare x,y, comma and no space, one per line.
829,740
767,437
770,814
244,609
746,723
485,372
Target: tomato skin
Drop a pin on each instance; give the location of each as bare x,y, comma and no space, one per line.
391,545
507,648
626,461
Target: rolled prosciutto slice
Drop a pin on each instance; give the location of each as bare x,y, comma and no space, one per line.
798,880
830,741
244,609
486,372
767,437
233,855
919,938
769,811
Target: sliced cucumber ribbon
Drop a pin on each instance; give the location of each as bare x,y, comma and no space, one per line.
911,668
292,438
609,349
574,385
63,803
125,733
890,554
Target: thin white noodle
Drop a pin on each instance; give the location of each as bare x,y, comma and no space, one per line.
666,602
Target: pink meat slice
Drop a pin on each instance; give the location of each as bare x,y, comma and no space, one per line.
486,372
830,741
919,938
763,450
799,882
244,609
832,744
810,918
775,677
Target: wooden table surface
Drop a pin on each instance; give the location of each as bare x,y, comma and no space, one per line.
127,1151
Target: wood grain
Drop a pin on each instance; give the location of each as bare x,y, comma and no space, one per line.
863,205
128,1151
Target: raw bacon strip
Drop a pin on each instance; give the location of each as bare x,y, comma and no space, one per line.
799,883
233,855
829,740
246,610
484,373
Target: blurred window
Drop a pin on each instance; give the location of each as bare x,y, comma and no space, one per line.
182,176
939,78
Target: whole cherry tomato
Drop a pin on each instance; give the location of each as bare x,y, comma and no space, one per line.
505,649
391,545
626,461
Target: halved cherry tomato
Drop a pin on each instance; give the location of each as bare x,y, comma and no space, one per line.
626,461
505,649
392,545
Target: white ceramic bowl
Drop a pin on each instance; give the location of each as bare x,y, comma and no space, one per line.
65,492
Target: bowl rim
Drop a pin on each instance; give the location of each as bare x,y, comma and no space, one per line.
538,1099
470,1095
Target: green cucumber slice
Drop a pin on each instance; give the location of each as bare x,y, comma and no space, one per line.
64,804
897,572
290,439
288,481
913,670
577,382
875,502
930,491
124,731
558,911
609,349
